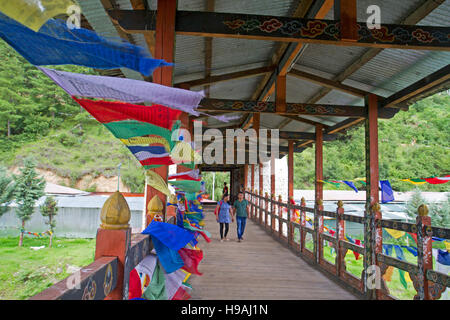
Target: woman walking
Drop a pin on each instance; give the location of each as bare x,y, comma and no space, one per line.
224,216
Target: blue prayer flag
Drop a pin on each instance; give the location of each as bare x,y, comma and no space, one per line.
387,194
443,257
351,185
170,235
56,44
170,259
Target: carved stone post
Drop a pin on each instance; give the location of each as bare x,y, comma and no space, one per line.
114,237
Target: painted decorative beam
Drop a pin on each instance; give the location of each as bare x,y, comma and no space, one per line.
288,135
418,87
227,77
327,83
224,105
293,135
287,29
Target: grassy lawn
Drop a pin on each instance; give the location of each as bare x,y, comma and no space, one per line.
25,272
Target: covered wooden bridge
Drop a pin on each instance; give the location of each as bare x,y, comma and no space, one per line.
310,69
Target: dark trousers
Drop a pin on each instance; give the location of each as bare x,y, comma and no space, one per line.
221,230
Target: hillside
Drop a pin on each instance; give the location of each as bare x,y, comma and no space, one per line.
413,144
38,118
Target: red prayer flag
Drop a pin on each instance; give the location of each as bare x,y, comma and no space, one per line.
181,294
191,259
107,111
134,285
167,161
437,180
358,242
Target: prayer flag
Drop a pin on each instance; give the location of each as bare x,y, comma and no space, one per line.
126,90
191,259
387,194
34,14
170,259
170,235
351,185
56,44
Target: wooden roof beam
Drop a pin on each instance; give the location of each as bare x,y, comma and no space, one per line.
293,109
238,26
327,83
425,8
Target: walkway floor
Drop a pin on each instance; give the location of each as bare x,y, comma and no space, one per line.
258,268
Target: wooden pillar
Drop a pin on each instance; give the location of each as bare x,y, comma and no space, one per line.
318,219
280,93
424,253
261,191
272,176
266,207
303,223
164,49
280,214
345,11
273,209
291,170
245,176
340,235
252,190
319,163
372,235
256,127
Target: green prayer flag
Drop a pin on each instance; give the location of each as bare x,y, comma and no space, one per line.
189,186
402,278
157,288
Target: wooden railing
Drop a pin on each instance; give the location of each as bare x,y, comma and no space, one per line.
276,218
117,253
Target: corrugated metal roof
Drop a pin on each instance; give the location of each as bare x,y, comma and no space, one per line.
240,89
329,58
95,14
298,90
395,69
388,72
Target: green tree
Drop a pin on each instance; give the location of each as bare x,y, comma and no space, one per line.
29,188
50,210
413,204
440,213
6,190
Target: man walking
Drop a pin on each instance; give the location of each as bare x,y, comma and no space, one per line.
240,207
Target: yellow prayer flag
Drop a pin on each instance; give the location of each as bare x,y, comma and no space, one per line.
407,278
395,233
35,13
155,181
388,275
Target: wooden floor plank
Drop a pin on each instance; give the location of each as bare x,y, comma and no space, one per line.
258,268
